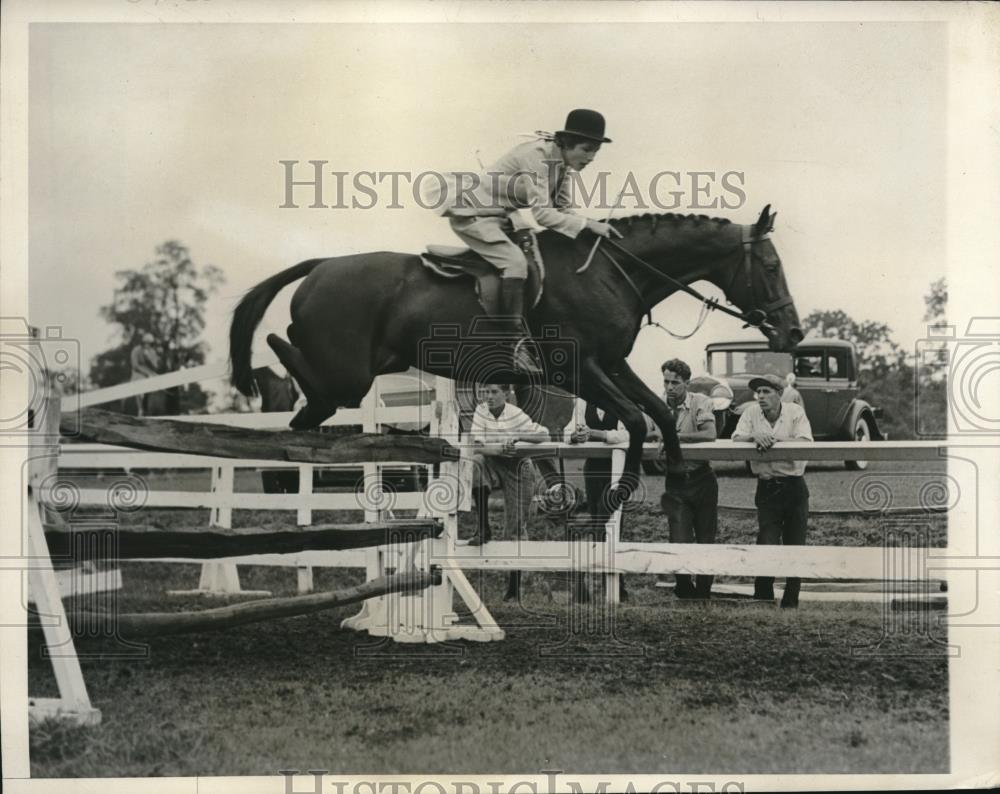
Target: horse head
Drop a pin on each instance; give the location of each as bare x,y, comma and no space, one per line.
759,289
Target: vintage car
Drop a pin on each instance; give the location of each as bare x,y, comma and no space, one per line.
825,375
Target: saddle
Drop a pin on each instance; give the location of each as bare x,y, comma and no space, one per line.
450,261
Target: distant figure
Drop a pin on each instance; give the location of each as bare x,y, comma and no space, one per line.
791,394
277,393
145,363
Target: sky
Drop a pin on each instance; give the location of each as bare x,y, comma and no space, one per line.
143,133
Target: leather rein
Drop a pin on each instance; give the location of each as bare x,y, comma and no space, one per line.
756,317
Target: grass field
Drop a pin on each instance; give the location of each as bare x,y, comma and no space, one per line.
659,684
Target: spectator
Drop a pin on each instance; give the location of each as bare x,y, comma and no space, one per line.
590,423
790,394
145,363
782,496
277,393
691,492
496,422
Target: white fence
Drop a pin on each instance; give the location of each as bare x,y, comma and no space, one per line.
612,557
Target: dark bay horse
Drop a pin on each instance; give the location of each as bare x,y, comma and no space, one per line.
356,317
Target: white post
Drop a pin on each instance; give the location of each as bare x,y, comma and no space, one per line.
221,578
456,477
303,518
373,616
73,703
612,530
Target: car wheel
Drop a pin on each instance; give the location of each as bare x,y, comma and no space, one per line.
862,432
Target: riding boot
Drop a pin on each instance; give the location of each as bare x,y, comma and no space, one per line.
481,496
703,586
513,587
622,591
512,306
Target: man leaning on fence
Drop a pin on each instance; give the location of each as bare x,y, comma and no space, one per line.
782,497
496,427
691,492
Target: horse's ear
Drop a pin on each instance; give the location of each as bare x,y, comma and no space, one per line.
765,222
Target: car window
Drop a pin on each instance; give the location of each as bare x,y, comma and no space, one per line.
749,362
809,365
837,362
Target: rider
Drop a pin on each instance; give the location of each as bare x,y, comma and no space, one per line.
532,175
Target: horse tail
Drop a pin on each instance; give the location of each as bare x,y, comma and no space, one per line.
247,316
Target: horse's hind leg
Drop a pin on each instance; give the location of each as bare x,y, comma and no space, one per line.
318,408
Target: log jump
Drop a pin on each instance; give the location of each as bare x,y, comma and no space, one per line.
220,441
169,623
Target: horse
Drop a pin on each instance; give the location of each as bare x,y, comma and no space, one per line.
355,317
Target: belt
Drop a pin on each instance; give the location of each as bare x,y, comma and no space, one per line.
777,481
688,476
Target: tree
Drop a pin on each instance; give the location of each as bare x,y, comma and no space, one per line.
912,395
936,302
932,367
166,297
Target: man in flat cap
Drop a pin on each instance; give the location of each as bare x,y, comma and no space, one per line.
782,497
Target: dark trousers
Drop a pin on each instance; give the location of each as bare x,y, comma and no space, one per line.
782,517
691,505
596,485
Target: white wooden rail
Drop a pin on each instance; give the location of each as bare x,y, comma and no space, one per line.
182,377
612,557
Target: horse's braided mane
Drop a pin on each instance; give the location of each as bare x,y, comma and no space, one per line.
668,217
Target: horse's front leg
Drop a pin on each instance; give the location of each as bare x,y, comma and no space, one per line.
598,388
632,387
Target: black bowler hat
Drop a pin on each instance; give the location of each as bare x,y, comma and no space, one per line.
587,124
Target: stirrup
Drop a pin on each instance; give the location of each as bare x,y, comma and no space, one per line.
524,359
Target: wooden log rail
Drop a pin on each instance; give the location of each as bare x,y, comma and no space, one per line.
220,441
168,623
80,544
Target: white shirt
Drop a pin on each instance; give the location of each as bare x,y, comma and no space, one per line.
791,425
491,429
579,419
695,411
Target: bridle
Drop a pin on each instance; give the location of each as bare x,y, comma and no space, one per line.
755,317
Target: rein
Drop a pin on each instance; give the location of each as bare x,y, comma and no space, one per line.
756,317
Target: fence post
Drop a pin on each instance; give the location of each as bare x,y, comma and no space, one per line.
73,703
612,531
303,518
221,578
373,616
